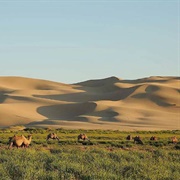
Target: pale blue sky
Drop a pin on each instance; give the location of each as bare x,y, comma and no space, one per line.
73,41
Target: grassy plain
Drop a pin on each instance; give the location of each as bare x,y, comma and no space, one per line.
107,156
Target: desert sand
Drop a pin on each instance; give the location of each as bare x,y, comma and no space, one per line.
151,103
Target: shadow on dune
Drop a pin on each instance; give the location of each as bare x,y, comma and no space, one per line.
99,82
104,89
151,88
107,115
82,104
120,94
74,112
150,94
113,80
17,98
160,101
4,95
67,111
150,80
22,98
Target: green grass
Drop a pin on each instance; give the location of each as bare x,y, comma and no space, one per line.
108,156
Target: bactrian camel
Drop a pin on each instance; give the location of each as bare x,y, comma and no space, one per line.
129,137
138,140
174,139
52,136
20,141
153,138
83,137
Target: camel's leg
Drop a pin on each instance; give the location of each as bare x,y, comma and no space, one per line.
10,145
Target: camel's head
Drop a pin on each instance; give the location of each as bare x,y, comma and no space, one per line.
129,137
153,138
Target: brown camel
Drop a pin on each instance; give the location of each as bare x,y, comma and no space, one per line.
27,141
19,141
83,137
138,140
174,139
129,137
52,136
153,138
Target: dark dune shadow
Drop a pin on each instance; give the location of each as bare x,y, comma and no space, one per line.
177,78
149,94
113,79
152,88
89,96
66,111
107,115
4,95
147,80
74,112
160,101
99,82
22,98
55,122
104,89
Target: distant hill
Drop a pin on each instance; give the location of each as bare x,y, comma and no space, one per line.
151,103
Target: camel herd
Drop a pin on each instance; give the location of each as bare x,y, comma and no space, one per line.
22,141
137,139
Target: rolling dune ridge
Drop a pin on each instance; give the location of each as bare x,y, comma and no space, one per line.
151,103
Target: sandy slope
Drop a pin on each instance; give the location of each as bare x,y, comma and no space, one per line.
144,104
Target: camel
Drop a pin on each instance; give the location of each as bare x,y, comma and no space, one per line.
83,137
129,137
138,140
153,138
27,141
19,141
174,139
52,136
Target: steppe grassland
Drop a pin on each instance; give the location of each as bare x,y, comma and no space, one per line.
108,155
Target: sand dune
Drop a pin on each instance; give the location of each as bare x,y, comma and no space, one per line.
151,103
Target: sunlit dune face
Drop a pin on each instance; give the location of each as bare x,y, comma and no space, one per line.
111,103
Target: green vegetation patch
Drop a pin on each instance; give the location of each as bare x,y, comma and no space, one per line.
108,155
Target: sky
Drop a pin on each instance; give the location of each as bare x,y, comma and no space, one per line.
77,40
